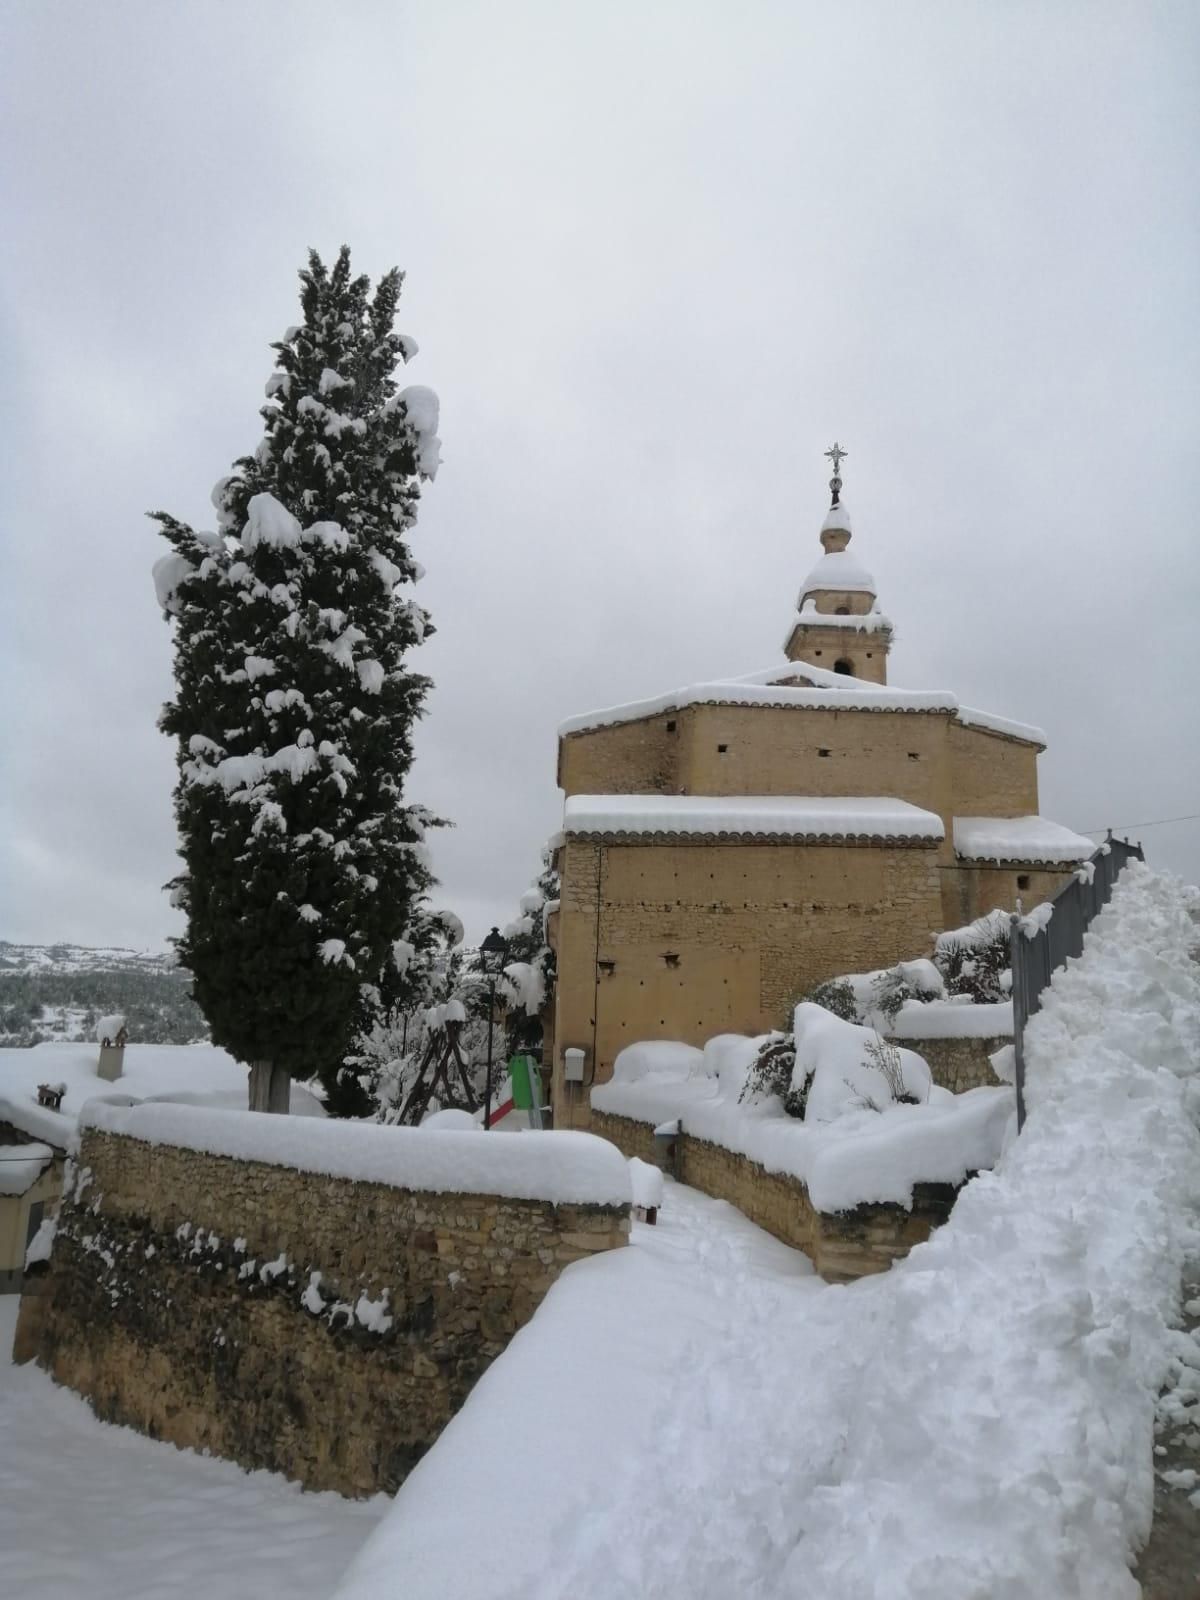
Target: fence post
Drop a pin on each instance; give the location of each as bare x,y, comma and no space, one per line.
1020,1005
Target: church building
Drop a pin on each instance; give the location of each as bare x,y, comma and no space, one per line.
729,845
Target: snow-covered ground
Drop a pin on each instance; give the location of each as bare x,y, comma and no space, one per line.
92,1512
696,1417
199,1074
699,1416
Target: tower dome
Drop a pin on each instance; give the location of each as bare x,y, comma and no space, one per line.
839,626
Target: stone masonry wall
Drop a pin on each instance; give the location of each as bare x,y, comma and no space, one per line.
683,941
842,1247
182,1300
959,1064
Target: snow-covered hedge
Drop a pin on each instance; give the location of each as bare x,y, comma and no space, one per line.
567,1168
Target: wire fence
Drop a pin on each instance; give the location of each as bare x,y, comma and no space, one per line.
1038,953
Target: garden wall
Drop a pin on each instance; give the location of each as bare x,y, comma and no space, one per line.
320,1323
959,1064
842,1246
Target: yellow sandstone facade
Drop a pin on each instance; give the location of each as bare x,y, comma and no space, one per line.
729,845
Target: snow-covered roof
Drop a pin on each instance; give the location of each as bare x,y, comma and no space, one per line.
751,816
836,517
870,622
837,569
199,1074
818,690
21,1165
993,724
1018,839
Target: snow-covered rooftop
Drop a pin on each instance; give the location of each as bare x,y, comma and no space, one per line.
836,517
21,1165
805,687
1018,839
752,816
837,569
198,1073
870,622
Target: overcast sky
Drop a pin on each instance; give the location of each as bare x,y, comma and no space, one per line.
658,257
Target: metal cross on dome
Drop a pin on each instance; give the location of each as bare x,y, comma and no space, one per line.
837,455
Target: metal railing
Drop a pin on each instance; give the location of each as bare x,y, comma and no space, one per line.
1036,956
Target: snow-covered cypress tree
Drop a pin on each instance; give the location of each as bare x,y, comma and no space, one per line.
294,706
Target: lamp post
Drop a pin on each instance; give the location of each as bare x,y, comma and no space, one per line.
492,952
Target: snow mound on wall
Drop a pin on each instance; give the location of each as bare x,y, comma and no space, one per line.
657,1058
841,1059
561,1167
449,1119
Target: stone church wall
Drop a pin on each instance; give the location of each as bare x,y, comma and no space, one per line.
990,775
684,941
177,1301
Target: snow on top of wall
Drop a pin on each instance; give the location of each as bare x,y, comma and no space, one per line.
565,1168
1018,839
945,1019
837,569
858,1157
770,816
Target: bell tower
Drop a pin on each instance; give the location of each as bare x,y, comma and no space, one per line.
839,625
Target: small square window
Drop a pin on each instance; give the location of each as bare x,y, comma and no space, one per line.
671,726
722,749
822,752
1022,880
914,755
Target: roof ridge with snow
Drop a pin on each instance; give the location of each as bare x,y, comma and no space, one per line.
822,691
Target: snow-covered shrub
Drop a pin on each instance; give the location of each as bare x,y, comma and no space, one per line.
836,995
974,960
771,1073
841,1067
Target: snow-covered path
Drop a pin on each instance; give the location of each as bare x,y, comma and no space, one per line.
92,1512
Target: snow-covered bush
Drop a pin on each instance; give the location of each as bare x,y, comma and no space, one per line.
842,1067
836,995
772,1073
974,960
827,1066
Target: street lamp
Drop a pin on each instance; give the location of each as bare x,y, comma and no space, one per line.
492,953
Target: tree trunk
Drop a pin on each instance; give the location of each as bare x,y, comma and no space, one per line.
270,1087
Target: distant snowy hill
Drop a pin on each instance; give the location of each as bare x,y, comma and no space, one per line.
58,991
